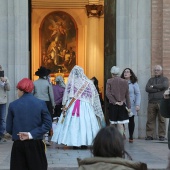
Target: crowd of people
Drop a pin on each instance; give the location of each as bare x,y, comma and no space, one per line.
77,108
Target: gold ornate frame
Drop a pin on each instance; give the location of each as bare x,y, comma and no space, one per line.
58,42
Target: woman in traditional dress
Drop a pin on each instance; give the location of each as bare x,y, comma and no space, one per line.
82,112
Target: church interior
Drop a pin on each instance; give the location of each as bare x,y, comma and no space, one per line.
64,34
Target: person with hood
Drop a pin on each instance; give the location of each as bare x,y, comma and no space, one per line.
28,120
82,112
109,153
43,90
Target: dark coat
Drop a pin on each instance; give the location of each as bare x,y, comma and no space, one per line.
28,114
165,112
160,84
117,89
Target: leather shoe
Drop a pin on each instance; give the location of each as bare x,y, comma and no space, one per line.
149,138
76,147
2,140
83,147
161,138
130,140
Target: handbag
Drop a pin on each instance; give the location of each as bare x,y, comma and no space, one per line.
165,108
129,112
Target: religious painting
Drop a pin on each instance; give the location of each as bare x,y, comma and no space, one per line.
58,42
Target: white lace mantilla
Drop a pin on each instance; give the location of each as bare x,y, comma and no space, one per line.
80,87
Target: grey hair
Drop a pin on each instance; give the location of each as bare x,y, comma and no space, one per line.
114,70
158,67
60,81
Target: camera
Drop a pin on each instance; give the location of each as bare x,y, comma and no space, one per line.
1,73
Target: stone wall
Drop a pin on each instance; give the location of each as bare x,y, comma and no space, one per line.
161,35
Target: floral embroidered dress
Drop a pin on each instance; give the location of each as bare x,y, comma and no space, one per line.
84,116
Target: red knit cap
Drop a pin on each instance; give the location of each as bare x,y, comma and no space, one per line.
25,85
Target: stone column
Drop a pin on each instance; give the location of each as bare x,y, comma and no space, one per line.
14,41
134,48
109,43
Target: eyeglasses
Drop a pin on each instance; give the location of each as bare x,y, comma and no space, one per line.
157,70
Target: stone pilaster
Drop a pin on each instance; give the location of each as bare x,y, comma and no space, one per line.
133,48
14,41
109,43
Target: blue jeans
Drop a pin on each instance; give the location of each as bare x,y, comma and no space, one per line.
2,119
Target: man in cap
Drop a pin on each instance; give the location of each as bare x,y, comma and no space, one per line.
28,120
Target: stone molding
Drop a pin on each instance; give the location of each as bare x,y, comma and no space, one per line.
63,3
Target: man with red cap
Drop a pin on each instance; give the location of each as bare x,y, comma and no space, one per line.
28,120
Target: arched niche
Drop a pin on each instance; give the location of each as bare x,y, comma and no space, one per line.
38,17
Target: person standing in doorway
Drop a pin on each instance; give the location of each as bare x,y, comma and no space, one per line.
135,98
155,88
117,91
43,90
58,90
4,87
95,81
